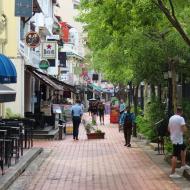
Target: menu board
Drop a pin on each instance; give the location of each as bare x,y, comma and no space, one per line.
46,108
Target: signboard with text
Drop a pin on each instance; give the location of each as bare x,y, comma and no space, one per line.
49,50
23,8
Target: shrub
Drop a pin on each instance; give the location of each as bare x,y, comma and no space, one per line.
10,115
152,114
168,145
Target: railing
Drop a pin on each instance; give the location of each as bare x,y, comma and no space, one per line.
15,135
161,132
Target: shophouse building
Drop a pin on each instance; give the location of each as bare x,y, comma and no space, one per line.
9,57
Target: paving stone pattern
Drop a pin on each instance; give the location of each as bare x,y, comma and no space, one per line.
98,165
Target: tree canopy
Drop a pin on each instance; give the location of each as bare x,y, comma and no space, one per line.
133,40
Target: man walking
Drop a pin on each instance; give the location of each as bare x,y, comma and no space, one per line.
176,128
122,107
127,120
76,112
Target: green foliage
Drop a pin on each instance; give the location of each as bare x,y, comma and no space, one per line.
186,109
154,111
93,122
143,127
146,124
89,127
168,145
10,115
98,131
133,40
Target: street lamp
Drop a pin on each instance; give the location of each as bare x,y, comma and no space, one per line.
142,95
168,77
129,95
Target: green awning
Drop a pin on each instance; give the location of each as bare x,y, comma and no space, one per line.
95,87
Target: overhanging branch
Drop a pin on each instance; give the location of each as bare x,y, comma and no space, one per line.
172,18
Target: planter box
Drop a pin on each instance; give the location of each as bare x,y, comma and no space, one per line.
95,135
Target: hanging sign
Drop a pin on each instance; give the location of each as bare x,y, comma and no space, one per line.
49,50
32,39
23,8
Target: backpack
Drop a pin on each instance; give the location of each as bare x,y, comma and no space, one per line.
128,120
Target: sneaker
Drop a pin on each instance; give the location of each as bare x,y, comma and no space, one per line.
129,145
125,144
186,167
175,176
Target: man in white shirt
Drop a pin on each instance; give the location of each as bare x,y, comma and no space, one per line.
176,128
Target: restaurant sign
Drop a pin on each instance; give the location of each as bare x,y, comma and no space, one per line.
49,50
32,39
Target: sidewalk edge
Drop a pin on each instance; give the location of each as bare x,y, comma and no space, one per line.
15,171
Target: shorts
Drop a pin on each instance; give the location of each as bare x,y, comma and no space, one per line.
177,148
183,147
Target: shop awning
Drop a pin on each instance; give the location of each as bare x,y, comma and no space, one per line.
7,70
64,85
7,94
96,88
44,78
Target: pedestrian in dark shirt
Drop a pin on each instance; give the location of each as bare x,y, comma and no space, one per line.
94,110
127,121
101,110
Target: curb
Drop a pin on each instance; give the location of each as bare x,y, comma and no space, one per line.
154,146
14,172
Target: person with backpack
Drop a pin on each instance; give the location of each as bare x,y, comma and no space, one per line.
127,121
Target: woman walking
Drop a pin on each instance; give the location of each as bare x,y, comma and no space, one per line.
101,110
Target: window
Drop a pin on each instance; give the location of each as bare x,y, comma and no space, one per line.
21,29
75,6
62,58
51,62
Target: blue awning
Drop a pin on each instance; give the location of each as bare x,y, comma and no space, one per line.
7,70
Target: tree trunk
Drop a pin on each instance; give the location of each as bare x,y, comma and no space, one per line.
173,19
160,93
145,93
135,100
153,93
122,93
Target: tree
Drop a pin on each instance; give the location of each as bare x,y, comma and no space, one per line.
170,13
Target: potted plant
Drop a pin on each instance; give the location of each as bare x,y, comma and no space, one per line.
93,133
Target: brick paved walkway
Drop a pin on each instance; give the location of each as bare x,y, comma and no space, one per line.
98,165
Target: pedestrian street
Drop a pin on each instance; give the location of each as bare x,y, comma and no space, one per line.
98,164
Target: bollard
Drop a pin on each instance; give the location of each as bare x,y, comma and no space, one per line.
60,132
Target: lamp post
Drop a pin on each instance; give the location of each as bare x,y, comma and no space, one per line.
129,95
168,77
142,95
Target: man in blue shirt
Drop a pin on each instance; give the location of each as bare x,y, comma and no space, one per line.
127,120
122,107
76,112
